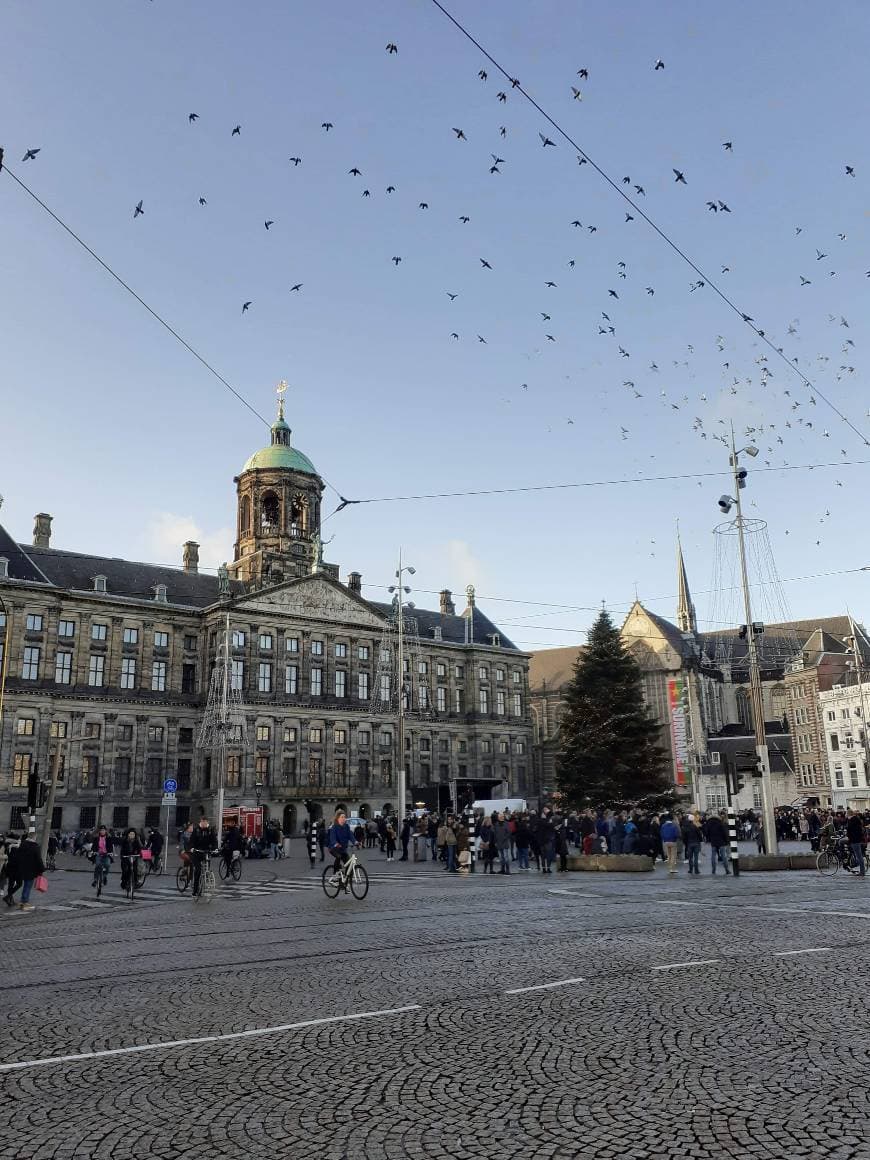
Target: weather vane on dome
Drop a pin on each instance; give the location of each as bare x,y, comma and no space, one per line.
281,391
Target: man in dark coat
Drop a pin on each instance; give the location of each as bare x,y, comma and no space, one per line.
29,865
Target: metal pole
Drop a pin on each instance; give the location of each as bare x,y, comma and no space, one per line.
857,654
5,665
49,804
101,793
770,842
222,748
400,809
731,771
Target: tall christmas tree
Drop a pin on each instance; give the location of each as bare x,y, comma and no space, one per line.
609,753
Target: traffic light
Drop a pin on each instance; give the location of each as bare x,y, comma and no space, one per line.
32,791
738,780
41,795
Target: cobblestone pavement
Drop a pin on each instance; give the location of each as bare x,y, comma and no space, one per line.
617,1015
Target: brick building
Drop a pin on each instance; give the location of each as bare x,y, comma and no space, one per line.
107,663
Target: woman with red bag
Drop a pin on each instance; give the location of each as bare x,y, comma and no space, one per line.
30,866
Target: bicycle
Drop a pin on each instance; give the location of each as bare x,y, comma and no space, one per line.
101,873
207,882
350,874
233,868
184,877
837,854
156,866
136,874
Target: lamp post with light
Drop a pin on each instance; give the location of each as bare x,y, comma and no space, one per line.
753,631
400,590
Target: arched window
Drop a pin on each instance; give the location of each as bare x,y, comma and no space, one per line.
270,512
245,514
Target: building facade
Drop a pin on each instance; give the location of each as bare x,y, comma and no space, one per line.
105,666
843,714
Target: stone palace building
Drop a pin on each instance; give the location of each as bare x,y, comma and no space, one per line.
105,666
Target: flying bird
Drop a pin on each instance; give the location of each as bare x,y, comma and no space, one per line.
805,281
460,135
202,201
326,125
724,207
451,296
30,155
424,205
629,218
191,117
578,96
485,264
355,172
237,131
391,189
269,223
820,255
583,74
482,74
640,191
650,290
465,219
296,160
392,48
545,141
679,177
367,193
138,210
850,170
395,260
480,338
550,284
660,64
612,293
728,146
297,287
245,306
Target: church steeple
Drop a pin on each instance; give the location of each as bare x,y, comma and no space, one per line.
686,618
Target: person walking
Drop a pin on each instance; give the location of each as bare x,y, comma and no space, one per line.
406,838
856,837
718,838
561,846
692,842
13,878
450,844
502,838
30,866
389,841
523,839
670,836
546,841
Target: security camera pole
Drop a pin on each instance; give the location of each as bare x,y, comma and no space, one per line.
770,843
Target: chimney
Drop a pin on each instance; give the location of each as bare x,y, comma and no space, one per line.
190,559
42,530
354,582
448,608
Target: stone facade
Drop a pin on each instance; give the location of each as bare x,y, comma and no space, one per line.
107,666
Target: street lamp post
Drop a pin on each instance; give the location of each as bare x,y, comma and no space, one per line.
258,789
400,590
101,793
752,631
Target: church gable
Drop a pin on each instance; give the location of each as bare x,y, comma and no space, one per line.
312,598
654,643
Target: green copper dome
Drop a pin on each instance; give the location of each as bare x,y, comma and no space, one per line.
280,454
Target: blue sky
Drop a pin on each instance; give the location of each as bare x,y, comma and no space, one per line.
116,430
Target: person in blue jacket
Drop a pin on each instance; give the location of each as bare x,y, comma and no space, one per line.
339,838
670,836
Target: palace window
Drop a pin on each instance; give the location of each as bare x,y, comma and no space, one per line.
161,640
291,680
158,676
33,622
362,686
24,726
341,650
66,628
289,735
63,668
155,733
30,665
128,673
96,670
264,678
131,636
264,733
98,631
291,644
340,683
316,682
266,642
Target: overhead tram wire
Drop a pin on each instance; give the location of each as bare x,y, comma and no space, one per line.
742,315
167,326
586,483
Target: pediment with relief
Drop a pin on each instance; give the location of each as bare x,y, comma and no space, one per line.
313,598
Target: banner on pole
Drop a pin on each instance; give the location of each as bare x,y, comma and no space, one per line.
677,703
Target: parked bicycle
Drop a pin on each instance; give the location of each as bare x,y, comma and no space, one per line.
351,874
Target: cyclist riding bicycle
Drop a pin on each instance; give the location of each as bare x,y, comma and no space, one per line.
131,847
103,848
203,841
338,839
155,845
232,845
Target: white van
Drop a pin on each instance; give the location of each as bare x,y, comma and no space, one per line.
499,805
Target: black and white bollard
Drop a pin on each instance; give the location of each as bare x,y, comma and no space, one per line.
732,839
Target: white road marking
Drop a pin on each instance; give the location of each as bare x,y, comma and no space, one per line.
803,951
166,1045
543,986
691,963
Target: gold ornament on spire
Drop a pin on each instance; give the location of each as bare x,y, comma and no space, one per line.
281,391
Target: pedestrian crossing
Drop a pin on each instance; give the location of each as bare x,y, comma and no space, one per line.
165,891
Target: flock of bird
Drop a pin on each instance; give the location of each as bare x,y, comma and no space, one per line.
796,410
